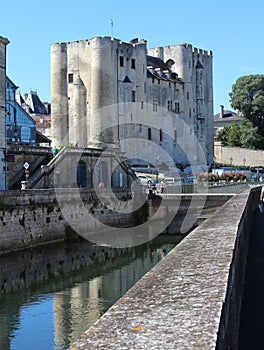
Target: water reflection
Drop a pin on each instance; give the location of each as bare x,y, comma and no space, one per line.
52,295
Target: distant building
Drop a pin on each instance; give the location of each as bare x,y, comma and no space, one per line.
38,110
224,118
20,127
170,83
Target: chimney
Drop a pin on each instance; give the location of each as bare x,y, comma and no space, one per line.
221,111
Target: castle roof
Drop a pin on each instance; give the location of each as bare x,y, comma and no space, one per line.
156,62
158,69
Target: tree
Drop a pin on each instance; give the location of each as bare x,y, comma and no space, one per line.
245,135
247,95
249,136
222,135
233,136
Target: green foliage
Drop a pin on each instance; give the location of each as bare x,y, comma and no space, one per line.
244,135
222,135
247,95
233,136
249,135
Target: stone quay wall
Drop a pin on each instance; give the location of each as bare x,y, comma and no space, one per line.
192,298
30,218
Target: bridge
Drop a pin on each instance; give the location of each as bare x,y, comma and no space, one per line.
192,299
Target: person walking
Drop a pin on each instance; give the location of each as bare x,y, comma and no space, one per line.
54,151
162,186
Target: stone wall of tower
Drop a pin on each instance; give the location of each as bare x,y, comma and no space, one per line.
131,84
198,89
3,43
103,118
59,94
78,83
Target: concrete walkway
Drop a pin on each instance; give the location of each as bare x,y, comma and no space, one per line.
252,313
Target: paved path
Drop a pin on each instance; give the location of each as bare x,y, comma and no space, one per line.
252,313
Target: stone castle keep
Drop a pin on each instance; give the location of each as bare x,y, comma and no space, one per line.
104,91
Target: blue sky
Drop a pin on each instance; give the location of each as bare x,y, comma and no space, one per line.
232,29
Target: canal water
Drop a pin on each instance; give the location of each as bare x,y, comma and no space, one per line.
50,296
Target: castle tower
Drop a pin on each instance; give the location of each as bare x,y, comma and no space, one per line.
3,43
103,121
59,94
90,80
78,122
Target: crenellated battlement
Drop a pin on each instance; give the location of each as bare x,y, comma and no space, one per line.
202,51
104,40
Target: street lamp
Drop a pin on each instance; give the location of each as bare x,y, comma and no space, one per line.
231,162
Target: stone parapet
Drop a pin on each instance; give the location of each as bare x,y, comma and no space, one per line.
192,298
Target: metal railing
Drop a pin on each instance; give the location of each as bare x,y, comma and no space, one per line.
228,187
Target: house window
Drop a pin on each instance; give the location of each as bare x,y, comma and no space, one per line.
25,134
169,105
187,95
149,133
142,105
121,61
140,127
175,135
155,105
145,87
133,63
133,96
177,107
160,135
70,78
